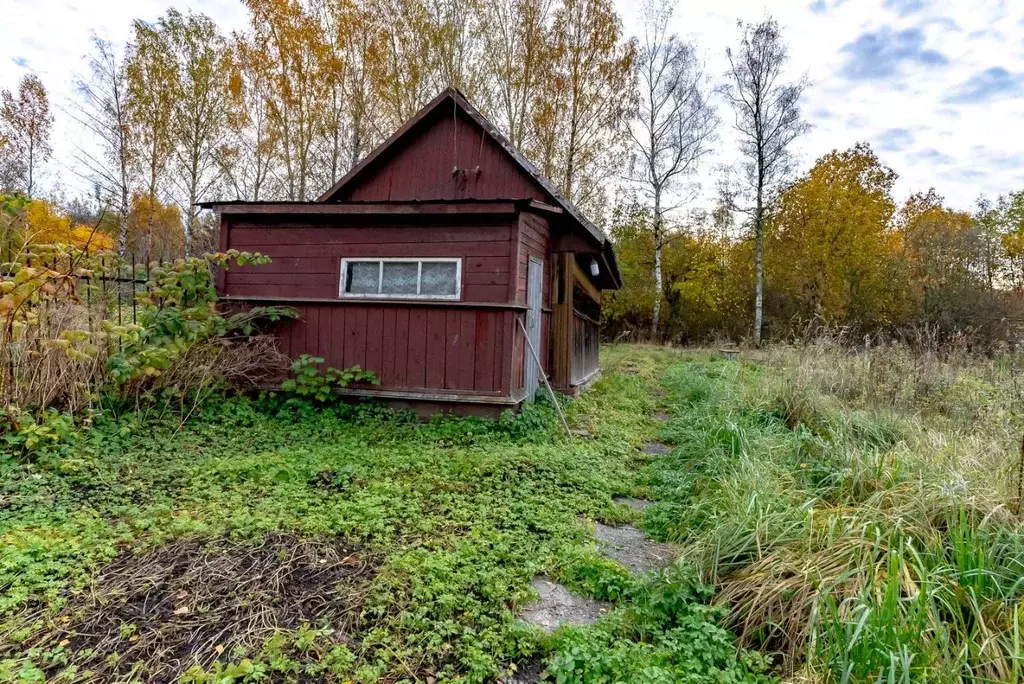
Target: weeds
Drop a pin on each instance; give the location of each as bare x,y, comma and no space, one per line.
853,508
457,516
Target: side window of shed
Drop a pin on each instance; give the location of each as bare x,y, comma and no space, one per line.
389,278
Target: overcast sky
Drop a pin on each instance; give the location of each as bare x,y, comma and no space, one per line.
936,86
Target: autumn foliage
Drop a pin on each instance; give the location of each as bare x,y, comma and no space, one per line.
840,254
283,108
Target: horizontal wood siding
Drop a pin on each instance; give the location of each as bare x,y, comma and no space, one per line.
421,167
409,348
306,256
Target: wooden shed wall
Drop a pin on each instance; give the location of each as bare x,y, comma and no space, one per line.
306,255
410,345
421,167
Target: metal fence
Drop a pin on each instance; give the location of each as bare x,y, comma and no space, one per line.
103,287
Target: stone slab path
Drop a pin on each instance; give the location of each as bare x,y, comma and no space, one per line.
630,547
638,504
558,606
656,449
627,545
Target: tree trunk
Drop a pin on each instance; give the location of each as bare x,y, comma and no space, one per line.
759,264
31,165
190,226
658,228
122,227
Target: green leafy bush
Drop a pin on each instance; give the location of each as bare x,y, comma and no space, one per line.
664,631
309,382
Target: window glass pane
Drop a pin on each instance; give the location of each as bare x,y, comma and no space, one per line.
400,277
439,278
363,277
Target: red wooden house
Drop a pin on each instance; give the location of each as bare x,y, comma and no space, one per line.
431,263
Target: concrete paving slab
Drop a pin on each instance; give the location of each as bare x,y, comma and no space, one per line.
630,547
559,606
638,504
656,449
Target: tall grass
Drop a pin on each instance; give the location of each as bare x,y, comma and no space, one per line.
857,509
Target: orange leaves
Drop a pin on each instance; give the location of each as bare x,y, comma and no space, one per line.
155,230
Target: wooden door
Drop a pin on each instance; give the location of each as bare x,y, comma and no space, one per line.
534,284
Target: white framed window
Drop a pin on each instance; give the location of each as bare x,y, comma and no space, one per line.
401,278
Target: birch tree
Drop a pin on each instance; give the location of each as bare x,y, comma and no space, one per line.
336,18
248,157
200,111
768,120
588,98
401,78
297,81
102,110
673,124
152,80
457,46
25,126
517,54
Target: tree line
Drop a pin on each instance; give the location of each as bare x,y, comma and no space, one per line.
283,109
840,254
623,125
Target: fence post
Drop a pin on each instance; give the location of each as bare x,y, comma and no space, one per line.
134,290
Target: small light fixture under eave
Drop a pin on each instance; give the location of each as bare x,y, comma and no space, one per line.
595,270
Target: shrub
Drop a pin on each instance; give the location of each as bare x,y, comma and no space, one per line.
64,351
311,383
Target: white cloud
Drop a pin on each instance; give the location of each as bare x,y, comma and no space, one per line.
923,99
52,38
896,73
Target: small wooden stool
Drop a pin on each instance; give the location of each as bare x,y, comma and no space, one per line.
730,354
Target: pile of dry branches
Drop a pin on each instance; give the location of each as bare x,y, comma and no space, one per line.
154,615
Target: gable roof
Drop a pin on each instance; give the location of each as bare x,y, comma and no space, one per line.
460,101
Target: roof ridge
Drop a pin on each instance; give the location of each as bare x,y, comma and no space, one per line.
462,101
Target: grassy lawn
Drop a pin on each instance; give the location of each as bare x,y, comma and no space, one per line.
289,541
842,517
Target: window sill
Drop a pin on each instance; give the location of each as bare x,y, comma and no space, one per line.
356,301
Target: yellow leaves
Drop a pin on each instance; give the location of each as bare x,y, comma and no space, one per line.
77,355
24,274
43,224
831,239
155,227
235,84
74,335
84,237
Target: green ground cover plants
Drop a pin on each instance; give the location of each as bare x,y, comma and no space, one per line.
291,538
842,515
